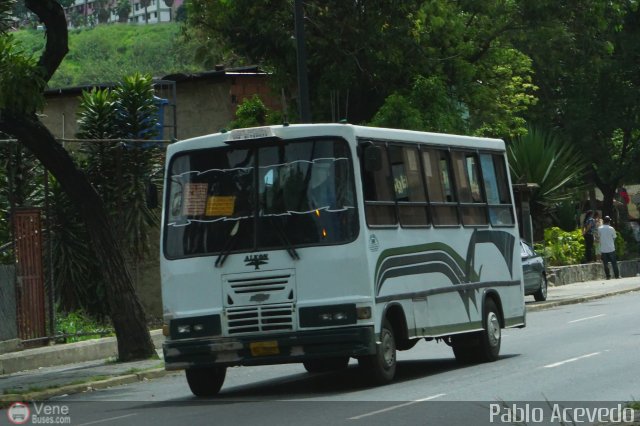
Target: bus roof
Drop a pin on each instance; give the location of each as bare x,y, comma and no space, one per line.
344,130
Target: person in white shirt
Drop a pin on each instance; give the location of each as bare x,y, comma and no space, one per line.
608,247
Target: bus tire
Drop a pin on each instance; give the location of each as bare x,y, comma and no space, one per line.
491,337
205,381
327,364
481,346
380,368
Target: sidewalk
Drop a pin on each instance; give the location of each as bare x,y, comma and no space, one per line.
77,375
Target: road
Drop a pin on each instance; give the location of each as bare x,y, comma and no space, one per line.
567,355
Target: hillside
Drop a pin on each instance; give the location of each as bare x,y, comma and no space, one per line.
108,52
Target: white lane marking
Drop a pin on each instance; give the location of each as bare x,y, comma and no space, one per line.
556,364
109,419
587,318
373,413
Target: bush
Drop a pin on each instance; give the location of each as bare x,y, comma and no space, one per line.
81,325
561,247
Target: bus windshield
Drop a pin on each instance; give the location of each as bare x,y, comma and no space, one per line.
279,196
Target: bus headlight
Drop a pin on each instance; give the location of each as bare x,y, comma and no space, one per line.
193,327
322,316
364,312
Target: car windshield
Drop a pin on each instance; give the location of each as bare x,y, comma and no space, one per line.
230,199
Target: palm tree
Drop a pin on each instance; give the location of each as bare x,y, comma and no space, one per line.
169,4
145,4
540,157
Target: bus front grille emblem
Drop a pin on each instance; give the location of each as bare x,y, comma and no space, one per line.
256,260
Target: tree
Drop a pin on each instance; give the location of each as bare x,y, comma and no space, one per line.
360,53
169,4
145,4
21,93
541,157
102,11
585,58
123,9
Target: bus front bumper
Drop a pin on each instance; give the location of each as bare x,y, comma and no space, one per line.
278,348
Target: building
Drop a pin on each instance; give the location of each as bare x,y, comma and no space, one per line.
196,104
91,12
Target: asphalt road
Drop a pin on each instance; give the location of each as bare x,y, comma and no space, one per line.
578,357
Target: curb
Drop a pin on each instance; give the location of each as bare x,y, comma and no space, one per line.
570,301
88,386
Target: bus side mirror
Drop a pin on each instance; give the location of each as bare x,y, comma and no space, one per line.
372,158
152,195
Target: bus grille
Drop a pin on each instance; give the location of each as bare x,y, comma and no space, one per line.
259,284
252,319
262,288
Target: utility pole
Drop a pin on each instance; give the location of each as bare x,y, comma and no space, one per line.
303,82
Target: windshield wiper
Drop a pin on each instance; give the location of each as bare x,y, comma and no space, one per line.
224,253
283,237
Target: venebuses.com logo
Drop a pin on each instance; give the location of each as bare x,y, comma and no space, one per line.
19,413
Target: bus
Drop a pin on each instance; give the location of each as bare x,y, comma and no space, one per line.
318,243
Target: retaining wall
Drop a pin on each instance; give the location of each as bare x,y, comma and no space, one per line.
561,275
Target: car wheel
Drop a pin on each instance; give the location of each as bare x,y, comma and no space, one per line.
541,294
206,381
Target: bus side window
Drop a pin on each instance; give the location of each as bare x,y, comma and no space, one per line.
408,185
497,187
437,174
469,185
379,196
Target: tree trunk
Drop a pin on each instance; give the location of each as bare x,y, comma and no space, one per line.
127,314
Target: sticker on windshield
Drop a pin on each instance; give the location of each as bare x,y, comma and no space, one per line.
195,196
218,205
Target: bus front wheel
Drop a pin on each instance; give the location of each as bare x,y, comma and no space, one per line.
206,381
381,367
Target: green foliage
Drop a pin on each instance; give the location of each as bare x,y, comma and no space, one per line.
564,215
586,67
82,324
21,80
126,112
78,280
450,61
561,247
6,8
398,112
542,158
252,112
107,52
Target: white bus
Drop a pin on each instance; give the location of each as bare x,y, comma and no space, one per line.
319,243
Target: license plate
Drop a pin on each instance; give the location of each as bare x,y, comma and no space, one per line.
269,347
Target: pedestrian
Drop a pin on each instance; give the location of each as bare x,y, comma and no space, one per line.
608,247
596,234
588,228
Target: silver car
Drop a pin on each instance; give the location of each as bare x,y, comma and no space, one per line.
534,273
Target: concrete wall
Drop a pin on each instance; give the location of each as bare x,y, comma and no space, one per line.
203,106
562,275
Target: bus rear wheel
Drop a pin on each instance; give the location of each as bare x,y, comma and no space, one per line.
381,367
326,364
206,381
482,346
